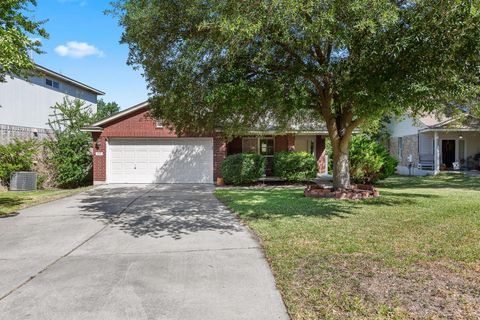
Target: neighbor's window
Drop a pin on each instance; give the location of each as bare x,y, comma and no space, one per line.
159,123
52,83
400,147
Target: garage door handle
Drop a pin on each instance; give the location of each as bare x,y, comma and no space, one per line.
134,166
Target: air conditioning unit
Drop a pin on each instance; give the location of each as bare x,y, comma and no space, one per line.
23,181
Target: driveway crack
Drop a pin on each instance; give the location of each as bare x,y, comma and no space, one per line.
75,248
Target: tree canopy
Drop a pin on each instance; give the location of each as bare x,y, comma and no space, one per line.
18,37
105,109
227,64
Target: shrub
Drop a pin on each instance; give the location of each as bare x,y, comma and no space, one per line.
16,156
369,161
295,166
41,180
243,168
69,149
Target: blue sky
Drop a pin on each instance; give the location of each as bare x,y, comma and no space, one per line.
84,45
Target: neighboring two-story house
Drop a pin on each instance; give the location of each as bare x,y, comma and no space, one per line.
25,103
430,144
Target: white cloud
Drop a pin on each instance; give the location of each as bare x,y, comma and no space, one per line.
77,49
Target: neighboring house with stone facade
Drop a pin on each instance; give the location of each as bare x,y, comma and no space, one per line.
25,103
430,144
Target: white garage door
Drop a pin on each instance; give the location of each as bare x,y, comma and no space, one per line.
160,160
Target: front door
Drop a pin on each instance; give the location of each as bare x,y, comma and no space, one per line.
266,149
448,153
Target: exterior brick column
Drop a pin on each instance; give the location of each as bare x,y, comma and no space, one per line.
219,154
290,142
99,159
320,154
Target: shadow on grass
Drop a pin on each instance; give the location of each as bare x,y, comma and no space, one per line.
280,203
444,180
10,202
388,198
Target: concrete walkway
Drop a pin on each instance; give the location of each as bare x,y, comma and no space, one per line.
134,252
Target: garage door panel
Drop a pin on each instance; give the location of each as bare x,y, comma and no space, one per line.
160,161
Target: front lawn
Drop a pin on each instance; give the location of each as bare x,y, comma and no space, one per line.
11,201
412,253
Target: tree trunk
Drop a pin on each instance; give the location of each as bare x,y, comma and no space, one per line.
341,167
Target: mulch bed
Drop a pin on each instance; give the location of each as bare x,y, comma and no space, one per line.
357,192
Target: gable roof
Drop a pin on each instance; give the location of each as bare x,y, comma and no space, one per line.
461,123
98,126
267,126
431,119
67,79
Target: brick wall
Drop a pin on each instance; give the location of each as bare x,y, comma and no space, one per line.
284,143
321,155
99,158
219,154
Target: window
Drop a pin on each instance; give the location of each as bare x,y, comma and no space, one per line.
400,148
159,123
266,147
311,146
52,83
250,145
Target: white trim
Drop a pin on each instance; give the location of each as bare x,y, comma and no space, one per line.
436,153
91,129
49,72
107,160
159,123
259,147
449,130
282,133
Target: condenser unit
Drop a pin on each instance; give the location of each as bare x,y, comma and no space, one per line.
23,181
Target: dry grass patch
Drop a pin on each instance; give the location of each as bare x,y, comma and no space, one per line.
413,253
12,201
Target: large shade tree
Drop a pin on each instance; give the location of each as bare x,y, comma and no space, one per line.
19,37
217,63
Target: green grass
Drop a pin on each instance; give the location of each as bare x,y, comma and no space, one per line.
12,201
412,253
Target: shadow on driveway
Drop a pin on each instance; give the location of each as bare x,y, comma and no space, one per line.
159,210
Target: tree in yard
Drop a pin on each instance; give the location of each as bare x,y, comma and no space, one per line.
69,149
216,63
105,109
16,30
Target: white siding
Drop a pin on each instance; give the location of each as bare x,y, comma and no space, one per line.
426,143
27,103
404,127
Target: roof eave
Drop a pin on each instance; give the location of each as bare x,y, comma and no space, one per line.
91,129
70,80
448,130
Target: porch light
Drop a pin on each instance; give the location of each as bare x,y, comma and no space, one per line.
98,143
460,136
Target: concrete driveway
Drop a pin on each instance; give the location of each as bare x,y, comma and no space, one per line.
134,252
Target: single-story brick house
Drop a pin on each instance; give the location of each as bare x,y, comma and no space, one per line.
131,147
